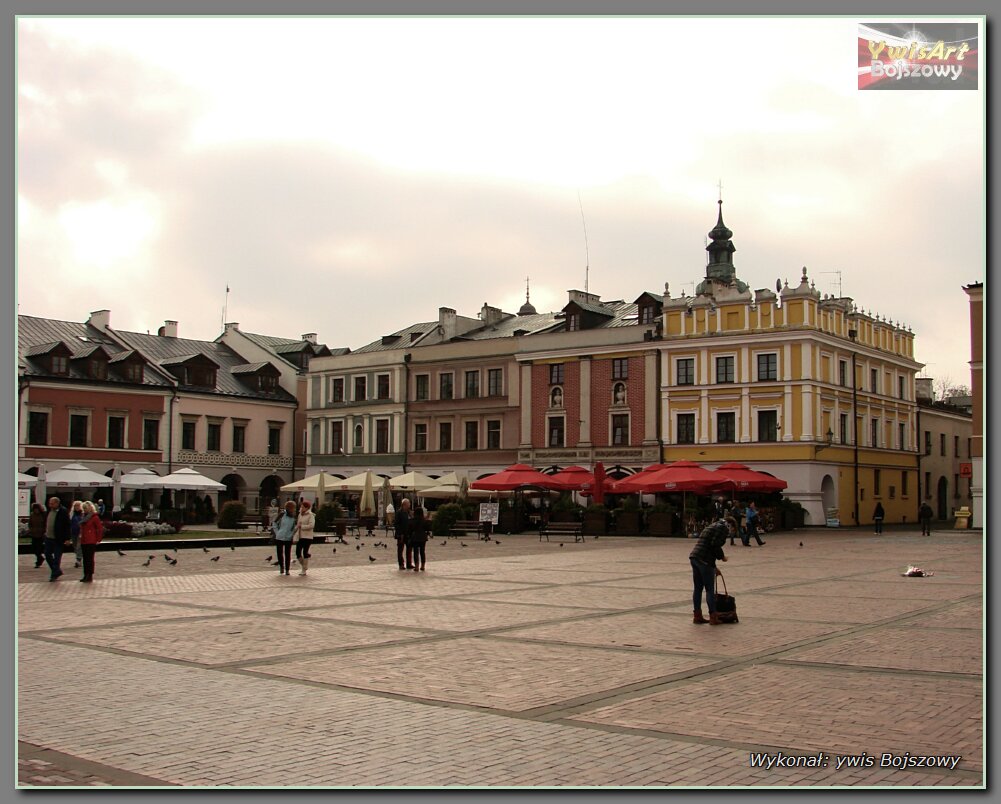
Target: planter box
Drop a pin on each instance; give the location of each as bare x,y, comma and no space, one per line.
627,523
595,523
660,523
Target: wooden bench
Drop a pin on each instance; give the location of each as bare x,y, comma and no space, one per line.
562,529
255,522
464,526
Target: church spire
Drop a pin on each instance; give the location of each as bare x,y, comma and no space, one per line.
720,270
527,308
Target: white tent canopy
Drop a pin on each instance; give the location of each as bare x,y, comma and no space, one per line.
189,480
354,483
25,481
412,481
323,480
75,476
141,478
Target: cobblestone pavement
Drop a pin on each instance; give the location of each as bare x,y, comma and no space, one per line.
519,664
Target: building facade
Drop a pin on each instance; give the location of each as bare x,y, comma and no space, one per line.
945,450
975,292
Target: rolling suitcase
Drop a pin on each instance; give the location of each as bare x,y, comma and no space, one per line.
726,604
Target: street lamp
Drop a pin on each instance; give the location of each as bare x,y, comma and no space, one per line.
853,335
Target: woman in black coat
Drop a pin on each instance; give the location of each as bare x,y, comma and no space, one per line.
418,538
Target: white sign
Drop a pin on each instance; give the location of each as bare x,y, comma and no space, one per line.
489,512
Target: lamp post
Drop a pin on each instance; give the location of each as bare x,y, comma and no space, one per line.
853,335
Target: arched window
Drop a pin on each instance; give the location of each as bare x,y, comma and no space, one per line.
556,397
619,393
358,436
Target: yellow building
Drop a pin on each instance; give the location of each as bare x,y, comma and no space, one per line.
808,388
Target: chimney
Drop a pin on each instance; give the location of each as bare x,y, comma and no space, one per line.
447,322
310,337
100,319
581,297
168,330
232,325
490,316
923,390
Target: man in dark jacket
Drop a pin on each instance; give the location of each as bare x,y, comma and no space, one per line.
925,514
708,548
403,534
57,531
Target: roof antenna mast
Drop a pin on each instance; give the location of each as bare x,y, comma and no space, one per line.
587,255
225,306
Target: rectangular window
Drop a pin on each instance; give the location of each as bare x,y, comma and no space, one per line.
768,366
768,425
876,482
116,432
620,368
151,434
360,389
445,436
274,440
724,369
240,438
337,389
336,437
686,371
902,436
900,393
648,314
78,429
941,439
843,373
928,485
445,390
382,436
495,382
556,374
620,429
956,445
874,380
843,428
472,435
903,483
60,364
493,434
927,442
188,435
420,438
133,372
892,492
382,386
955,485
556,432
726,427
874,432
422,387
472,384
214,437
573,322
686,428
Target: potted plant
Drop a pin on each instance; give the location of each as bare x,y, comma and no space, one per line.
627,517
595,520
660,520
565,510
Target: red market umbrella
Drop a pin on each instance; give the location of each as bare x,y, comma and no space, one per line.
677,476
738,477
630,485
515,477
574,478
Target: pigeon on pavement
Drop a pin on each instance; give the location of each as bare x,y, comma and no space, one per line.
215,558
205,549
370,558
146,563
119,552
173,562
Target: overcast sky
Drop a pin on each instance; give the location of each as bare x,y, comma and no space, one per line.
350,176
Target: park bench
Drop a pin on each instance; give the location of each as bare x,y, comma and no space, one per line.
464,526
257,522
561,529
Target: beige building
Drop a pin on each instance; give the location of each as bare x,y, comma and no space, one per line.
945,469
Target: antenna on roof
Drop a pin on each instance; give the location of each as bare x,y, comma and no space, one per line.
587,255
838,272
225,305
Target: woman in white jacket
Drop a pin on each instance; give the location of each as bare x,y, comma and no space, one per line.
304,535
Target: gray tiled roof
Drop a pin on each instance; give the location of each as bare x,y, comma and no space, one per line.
249,368
171,351
36,336
403,338
600,309
289,345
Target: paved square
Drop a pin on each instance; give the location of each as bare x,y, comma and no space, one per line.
522,664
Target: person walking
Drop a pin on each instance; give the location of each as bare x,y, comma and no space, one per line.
100,508
751,526
91,533
284,530
418,539
877,518
303,536
703,557
57,532
403,534
36,530
925,514
76,514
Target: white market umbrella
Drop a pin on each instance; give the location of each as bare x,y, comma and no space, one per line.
354,483
26,481
412,481
366,506
116,488
74,476
39,494
386,495
443,491
318,483
189,480
141,478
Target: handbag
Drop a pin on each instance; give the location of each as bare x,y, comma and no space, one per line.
726,604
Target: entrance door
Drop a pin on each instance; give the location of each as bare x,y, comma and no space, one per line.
943,498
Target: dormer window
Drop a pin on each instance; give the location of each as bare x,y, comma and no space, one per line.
97,369
267,382
59,364
133,372
648,314
202,376
573,322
